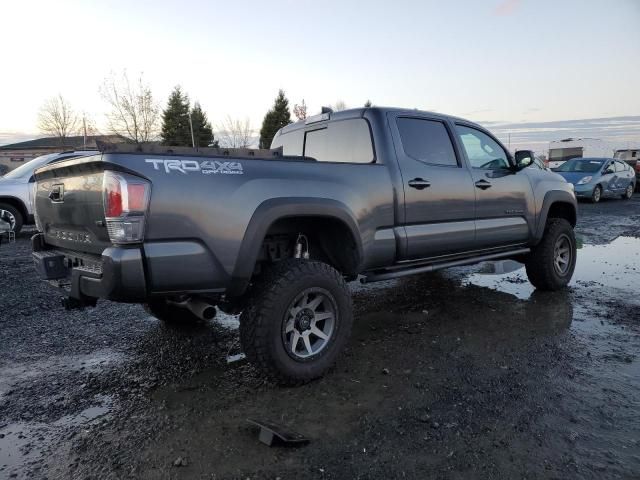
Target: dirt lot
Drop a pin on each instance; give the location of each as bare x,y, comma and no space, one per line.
460,374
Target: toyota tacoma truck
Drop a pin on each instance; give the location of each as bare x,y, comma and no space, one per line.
371,194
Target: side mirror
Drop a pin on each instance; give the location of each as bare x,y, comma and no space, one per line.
608,171
524,159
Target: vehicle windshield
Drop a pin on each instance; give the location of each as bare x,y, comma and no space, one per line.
581,165
27,169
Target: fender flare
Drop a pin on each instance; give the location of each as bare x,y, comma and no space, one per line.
276,209
551,197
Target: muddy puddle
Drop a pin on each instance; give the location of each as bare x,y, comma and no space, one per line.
94,362
613,266
21,443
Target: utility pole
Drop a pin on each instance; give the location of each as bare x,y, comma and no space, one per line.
193,140
84,130
509,140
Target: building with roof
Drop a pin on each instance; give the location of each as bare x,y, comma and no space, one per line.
16,154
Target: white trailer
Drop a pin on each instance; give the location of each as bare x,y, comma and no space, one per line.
562,150
631,154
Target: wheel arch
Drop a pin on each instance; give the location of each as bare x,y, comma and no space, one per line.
556,204
18,204
275,212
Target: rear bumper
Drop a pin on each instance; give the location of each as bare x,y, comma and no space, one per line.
118,274
131,274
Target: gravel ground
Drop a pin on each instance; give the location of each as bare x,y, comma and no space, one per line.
460,374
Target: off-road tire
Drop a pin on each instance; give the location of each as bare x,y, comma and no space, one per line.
16,214
628,193
262,320
170,314
595,198
540,262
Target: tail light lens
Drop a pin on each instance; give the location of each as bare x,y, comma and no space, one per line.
638,166
126,199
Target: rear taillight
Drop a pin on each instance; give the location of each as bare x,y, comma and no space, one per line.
638,166
126,199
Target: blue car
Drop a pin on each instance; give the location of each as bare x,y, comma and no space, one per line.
595,178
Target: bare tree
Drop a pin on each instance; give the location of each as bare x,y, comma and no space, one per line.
235,133
57,118
134,112
339,105
300,111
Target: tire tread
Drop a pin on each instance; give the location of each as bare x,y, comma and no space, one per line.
262,307
539,265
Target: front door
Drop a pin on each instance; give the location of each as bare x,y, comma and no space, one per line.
609,180
439,197
505,211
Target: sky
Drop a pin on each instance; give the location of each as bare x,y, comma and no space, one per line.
498,62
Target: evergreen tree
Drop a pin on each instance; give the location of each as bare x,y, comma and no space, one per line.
368,104
175,120
274,120
202,131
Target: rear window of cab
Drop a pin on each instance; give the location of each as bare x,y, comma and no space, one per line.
343,141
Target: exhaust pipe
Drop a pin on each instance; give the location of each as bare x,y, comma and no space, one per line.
201,309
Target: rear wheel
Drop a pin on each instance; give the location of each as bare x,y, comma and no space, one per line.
628,193
11,215
297,322
170,314
551,263
596,195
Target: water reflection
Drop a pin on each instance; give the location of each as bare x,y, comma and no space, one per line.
615,265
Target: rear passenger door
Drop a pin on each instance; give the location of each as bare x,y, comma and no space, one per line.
438,190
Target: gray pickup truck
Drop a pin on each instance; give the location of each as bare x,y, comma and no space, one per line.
374,193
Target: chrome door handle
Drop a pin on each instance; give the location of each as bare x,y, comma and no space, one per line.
419,183
483,184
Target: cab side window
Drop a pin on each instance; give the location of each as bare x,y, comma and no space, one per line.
482,151
427,141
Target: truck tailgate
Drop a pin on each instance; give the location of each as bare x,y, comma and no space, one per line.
69,205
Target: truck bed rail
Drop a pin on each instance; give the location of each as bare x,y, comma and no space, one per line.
152,148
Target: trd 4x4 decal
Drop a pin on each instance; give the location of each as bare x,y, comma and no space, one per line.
207,167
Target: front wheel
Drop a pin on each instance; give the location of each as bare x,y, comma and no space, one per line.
551,263
297,322
10,215
596,195
628,193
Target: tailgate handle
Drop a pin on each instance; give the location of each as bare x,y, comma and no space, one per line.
57,193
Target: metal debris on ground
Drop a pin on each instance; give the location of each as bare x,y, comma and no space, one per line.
271,433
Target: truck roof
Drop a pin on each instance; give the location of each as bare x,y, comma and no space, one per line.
360,112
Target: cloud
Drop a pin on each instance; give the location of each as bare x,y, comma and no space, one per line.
506,7
476,112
